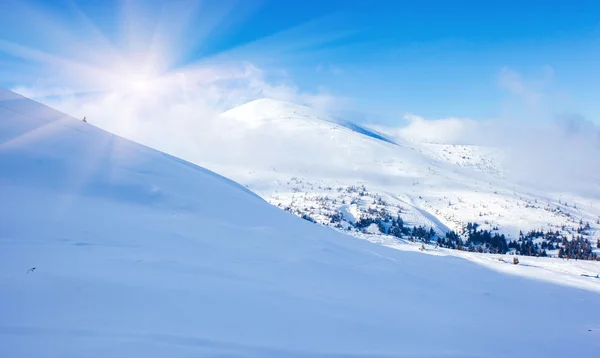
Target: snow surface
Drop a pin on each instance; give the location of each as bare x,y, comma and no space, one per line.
140,254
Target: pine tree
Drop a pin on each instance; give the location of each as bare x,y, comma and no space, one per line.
381,227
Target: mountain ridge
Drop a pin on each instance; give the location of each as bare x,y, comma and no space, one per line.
455,184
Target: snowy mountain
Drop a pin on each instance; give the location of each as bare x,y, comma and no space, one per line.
110,248
336,173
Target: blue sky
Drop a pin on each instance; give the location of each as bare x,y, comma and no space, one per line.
518,60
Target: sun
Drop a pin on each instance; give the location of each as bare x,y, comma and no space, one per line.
140,86
134,79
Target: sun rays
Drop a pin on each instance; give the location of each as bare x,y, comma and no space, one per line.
76,53
142,70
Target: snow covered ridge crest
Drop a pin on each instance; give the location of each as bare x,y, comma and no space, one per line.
139,254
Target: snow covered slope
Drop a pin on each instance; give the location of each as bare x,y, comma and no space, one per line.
304,160
140,254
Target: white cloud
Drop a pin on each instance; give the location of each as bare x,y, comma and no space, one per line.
418,129
547,146
445,130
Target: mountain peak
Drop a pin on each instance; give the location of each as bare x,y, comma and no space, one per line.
268,108
260,111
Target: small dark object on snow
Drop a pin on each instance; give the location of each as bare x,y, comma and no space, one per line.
84,120
515,261
31,270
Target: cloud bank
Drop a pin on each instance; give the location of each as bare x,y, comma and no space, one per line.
541,147
443,131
